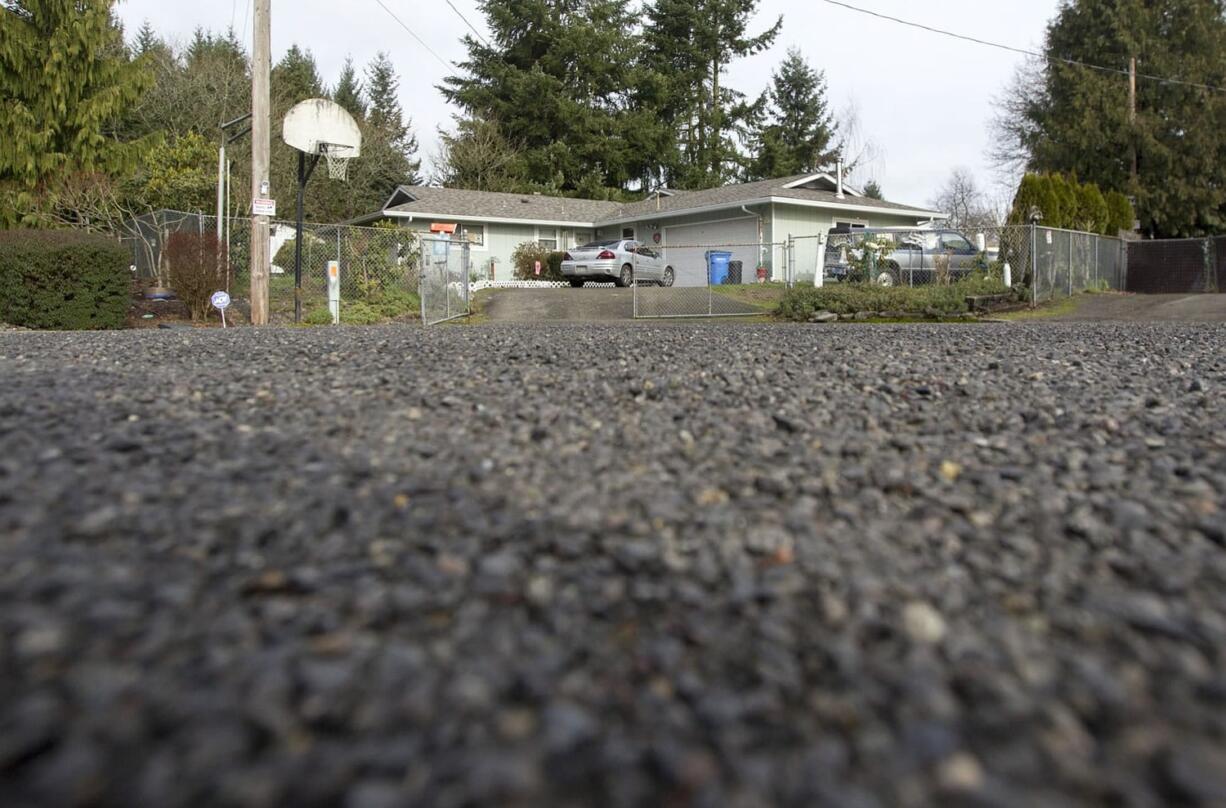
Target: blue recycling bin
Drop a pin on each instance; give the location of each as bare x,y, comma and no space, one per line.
717,266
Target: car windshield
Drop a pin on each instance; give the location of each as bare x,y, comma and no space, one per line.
598,244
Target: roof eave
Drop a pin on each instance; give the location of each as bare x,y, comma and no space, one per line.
781,200
466,217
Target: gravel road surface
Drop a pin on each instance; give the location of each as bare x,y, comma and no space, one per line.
709,565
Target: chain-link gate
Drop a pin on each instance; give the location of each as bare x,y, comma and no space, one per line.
701,280
444,280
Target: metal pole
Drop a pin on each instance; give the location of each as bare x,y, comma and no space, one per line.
1034,264
261,66
229,224
221,192
1071,238
298,239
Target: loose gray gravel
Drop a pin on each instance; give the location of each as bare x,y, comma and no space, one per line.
702,565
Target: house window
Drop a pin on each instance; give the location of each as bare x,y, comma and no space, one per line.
627,232
475,234
848,225
547,238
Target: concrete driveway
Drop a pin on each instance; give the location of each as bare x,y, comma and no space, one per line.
601,304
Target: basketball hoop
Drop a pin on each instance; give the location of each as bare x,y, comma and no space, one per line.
338,158
318,127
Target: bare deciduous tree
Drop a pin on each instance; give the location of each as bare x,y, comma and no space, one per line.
1013,130
966,203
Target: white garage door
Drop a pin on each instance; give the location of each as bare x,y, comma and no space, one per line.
688,256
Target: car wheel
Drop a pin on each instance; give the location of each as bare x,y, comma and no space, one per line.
669,277
885,277
627,277
575,283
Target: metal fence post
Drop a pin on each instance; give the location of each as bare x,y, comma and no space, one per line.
1034,264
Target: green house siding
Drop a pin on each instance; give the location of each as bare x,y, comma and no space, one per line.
805,223
492,259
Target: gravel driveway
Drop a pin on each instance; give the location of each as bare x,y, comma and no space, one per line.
703,565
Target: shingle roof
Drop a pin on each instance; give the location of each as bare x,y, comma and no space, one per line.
487,204
460,204
746,192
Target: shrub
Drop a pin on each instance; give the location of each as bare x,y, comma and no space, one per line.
801,303
387,304
197,269
63,279
524,260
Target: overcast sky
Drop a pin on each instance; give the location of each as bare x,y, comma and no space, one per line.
924,100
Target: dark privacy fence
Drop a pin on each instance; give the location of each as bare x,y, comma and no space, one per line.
1180,266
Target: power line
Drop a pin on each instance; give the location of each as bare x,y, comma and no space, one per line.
429,50
469,24
1023,51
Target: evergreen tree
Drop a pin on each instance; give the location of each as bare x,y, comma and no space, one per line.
1070,119
872,190
556,80
348,91
690,44
67,82
147,41
797,132
387,128
295,78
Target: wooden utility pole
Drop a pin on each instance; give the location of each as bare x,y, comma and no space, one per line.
1132,118
261,69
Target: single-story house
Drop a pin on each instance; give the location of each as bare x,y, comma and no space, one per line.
750,220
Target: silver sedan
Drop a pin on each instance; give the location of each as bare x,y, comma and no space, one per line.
621,261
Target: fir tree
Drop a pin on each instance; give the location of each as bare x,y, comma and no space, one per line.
67,82
387,129
690,43
557,80
872,190
798,131
296,78
348,91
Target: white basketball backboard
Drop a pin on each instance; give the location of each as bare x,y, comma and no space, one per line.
317,124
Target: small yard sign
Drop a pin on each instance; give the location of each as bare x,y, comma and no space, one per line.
221,301
538,267
264,207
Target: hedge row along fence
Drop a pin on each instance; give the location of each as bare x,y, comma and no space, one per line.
62,279
801,303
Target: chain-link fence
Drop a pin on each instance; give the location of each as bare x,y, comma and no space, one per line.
700,280
1179,266
378,267
444,279
1052,263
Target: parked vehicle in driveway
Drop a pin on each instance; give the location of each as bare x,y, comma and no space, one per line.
621,261
905,256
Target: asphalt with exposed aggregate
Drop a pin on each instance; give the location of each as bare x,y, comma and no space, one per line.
700,565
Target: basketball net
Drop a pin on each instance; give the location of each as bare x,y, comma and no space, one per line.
338,160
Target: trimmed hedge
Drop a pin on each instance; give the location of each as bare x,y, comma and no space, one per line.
803,302
63,279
